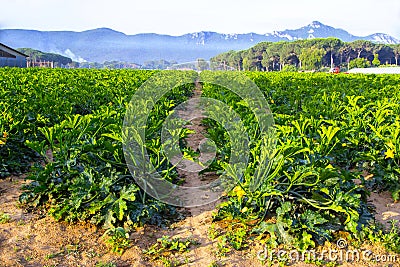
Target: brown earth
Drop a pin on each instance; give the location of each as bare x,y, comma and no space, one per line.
32,239
386,209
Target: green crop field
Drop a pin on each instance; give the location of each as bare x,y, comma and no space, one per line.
336,138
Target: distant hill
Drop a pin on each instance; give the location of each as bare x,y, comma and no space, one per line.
105,44
318,30
37,55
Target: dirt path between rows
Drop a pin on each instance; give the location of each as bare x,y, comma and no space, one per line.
192,178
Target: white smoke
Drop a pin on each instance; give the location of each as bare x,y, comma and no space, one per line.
72,56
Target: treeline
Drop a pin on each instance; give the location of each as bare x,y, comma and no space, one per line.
105,65
311,54
37,55
158,64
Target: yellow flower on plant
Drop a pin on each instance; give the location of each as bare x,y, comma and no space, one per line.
244,210
329,166
2,142
239,192
389,154
344,144
5,134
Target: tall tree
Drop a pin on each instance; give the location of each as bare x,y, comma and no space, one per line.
235,60
311,58
331,46
266,60
345,53
362,46
270,58
376,61
385,53
284,52
396,52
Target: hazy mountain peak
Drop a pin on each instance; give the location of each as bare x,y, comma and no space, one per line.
104,30
315,24
383,38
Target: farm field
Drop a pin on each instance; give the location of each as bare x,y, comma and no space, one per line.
332,156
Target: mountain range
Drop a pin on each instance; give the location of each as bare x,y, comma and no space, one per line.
104,44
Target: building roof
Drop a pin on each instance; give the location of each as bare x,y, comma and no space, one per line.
13,50
384,70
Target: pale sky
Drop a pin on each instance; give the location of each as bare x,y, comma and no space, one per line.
176,17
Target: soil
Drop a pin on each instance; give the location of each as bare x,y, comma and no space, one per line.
193,141
32,239
386,209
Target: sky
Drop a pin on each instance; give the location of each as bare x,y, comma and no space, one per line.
177,17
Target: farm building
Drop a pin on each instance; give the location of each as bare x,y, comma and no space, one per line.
11,58
386,70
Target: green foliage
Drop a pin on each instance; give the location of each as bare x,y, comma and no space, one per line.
290,68
117,239
158,64
329,129
311,58
238,237
37,55
108,264
30,99
4,218
167,245
316,54
359,63
322,123
214,264
376,234
376,61
80,172
223,246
